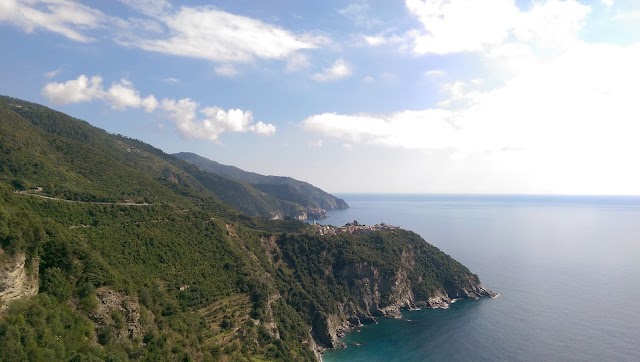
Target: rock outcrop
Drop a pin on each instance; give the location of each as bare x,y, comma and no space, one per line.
17,280
376,295
120,312
349,279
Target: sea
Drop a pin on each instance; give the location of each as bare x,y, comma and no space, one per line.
567,269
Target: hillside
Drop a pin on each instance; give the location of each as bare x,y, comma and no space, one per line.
282,188
112,250
70,158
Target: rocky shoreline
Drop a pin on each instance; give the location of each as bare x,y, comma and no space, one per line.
442,300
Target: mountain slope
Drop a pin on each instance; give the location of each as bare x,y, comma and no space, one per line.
81,162
283,188
175,273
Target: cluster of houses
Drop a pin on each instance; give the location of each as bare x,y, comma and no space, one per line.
351,228
316,213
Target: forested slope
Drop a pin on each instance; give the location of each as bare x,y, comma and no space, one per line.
70,158
280,187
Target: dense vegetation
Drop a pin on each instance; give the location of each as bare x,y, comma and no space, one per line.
71,159
146,253
148,263
279,187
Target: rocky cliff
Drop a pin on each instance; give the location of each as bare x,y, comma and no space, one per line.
17,280
351,280
376,295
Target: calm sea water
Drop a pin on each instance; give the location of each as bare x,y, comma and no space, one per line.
567,270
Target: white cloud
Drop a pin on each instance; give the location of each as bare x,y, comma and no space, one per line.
480,26
297,61
265,129
551,113
374,40
340,69
358,13
460,94
629,16
68,18
171,80
120,96
215,122
607,3
149,103
82,89
574,112
462,25
408,129
149,7
234,120
53,73
226,70
123,95
207,33
202,32
385,38
316,144
435,73
369,79
183,112
552,25
355,9
134,28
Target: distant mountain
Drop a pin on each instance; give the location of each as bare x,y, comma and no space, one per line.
282,188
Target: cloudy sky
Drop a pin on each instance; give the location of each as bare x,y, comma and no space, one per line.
420,96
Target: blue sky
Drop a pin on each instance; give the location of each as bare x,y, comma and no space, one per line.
434,96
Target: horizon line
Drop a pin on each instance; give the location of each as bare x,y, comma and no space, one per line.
480,194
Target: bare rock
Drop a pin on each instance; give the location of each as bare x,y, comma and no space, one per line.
112,301
16,281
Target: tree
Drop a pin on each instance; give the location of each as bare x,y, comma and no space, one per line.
56,284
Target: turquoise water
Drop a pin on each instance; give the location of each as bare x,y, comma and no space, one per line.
567,270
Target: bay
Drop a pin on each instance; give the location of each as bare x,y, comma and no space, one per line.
567,269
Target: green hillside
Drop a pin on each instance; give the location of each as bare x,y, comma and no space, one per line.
135,255
71,159
283,188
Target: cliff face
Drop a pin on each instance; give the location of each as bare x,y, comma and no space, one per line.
16,281
376,295
351,280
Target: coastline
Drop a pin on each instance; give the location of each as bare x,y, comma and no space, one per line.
352,330
440,301
495,236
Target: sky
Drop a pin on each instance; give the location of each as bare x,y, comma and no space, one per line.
420,96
